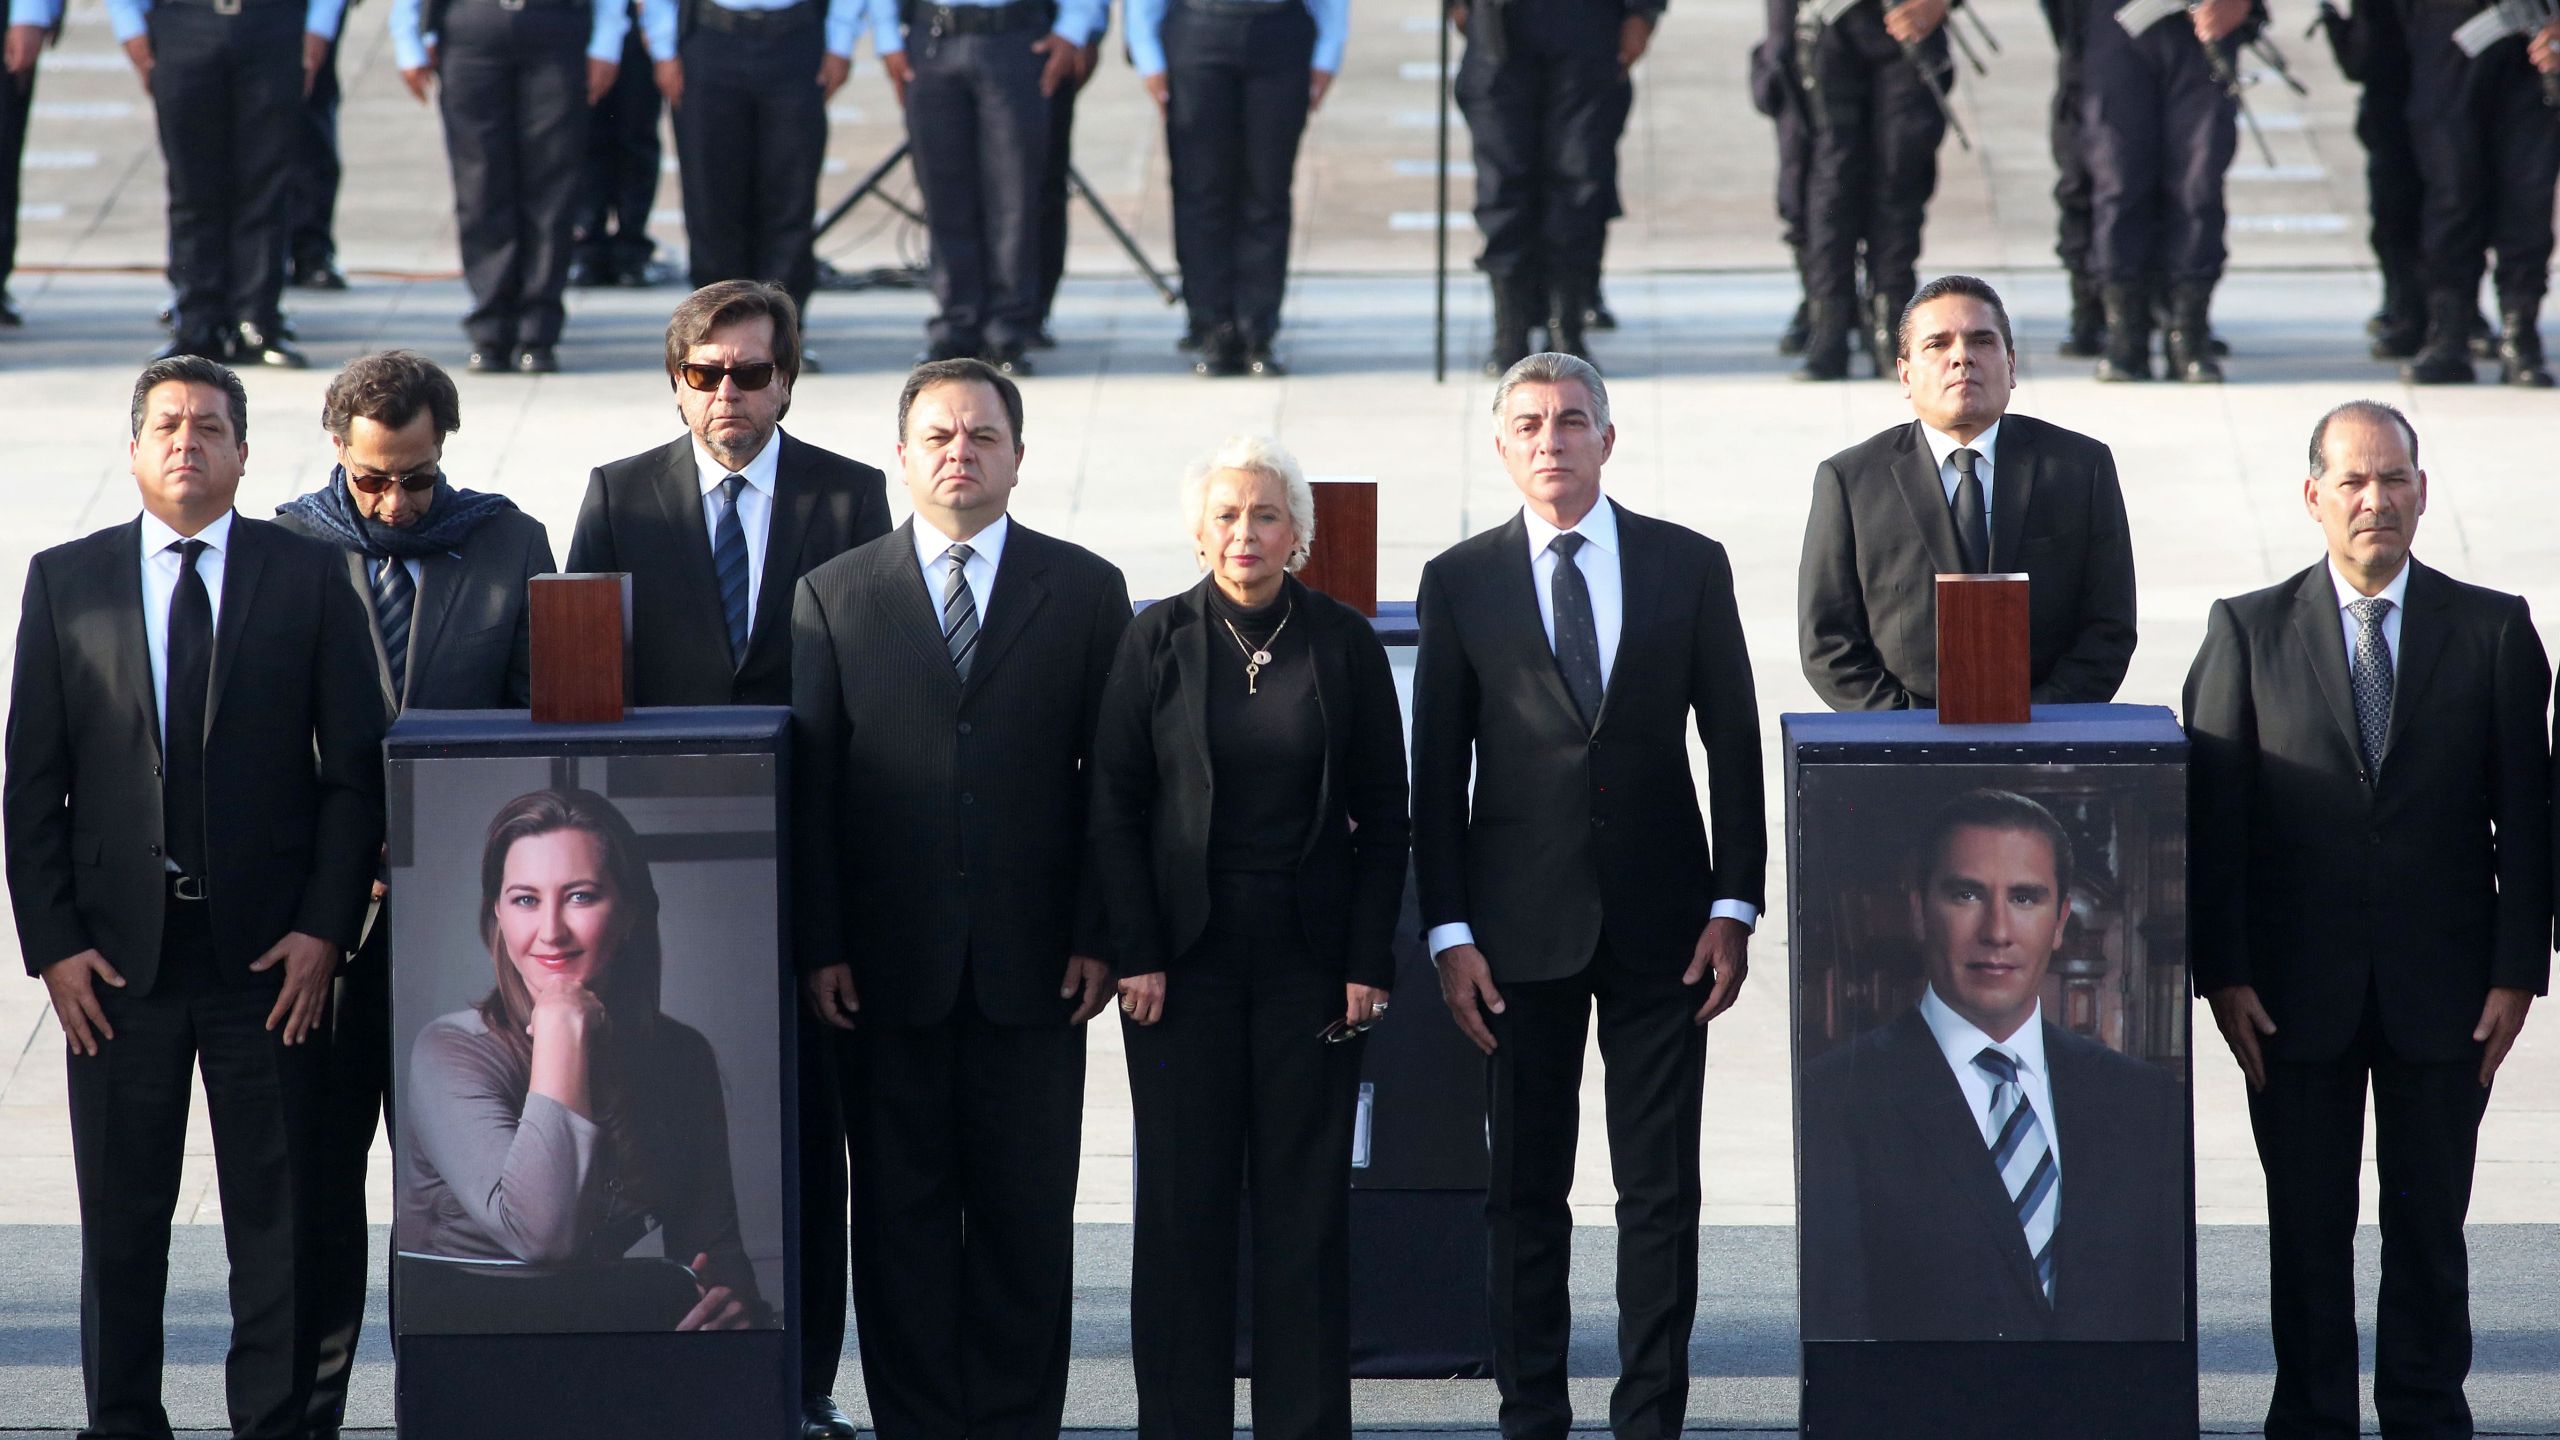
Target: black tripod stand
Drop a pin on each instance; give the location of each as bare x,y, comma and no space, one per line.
869,185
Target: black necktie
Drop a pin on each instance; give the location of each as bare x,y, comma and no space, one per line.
394,597
189,678
729,564
1973,521
1577,633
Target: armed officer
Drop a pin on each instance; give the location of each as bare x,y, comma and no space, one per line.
1775,93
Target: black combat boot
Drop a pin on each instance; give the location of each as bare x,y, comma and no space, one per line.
2128,354
1884,329
2400,326
1510,326
1567,303
1826,345
1791,340
2088,337
2188,344
2446,357
2520,348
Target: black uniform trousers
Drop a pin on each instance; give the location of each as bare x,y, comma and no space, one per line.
2395,189
2071,183
17,100
1053,195
311,213
619,184
2490,150
1875,159
980,128
2159,132
965,1138
356,1097
128,1142
2310,1128
1238,107
1543,122
227,90
750,137
514,97
1237,1100
1657,1058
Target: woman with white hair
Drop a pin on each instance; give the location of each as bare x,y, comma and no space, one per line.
1249,819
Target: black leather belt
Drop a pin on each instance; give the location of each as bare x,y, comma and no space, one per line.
940,20
228,7
1237,9
189,888
791,19
530,4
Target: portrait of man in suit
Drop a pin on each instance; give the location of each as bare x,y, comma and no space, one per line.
1972,1169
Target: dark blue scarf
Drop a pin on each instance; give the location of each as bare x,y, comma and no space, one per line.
450,519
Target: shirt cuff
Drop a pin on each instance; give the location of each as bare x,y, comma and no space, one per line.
1742,910
30,12
1451,935
129,24
604,38
409,51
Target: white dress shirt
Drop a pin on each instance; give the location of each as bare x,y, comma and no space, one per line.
755,506
1943,446
160,567
2397,592
986,553
1599,562
1961,1041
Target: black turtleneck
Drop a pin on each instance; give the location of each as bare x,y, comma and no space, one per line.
1266,747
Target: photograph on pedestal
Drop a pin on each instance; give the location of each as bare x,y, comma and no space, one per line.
1991,1039
584,1005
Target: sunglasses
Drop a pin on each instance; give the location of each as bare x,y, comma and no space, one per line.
706,378
378,484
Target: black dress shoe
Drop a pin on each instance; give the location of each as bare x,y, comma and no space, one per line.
647,275
319,275
537,360
1221,354
496,361
1010,360
589,273
821,1420
204,345
254,346
1259,360
9,315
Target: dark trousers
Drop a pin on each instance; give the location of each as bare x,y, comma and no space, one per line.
1543,122
2490,150
751,136
2310,1128
514,97
965,1144
17,98
980,127
1875,160
1054,197
2159,133
1236,1097
355,1097
128,1141
2071,183
825,1238
1237,110
227,90
619,183
312,210
1656,1057
2395,191
1795,165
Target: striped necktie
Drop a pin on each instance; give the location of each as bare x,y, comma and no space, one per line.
394,598
729,563
2024,1160
959,611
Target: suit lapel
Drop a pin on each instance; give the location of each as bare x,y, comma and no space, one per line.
1191,665
1941,1120
914,612
795,505
2013,489
1639,574
2422,629
1019,593
439,580
1517,605
241,570
1916,475
357,575
2316,628
132,657
2095,1168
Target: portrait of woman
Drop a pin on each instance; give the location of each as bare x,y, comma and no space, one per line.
563,1119
1249,818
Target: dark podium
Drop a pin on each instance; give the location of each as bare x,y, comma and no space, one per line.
1992,866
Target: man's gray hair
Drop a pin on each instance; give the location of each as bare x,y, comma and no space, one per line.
2379,411
1548,367
1262,456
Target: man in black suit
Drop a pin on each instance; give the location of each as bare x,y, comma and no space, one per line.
1938,1200
441,575
193,815
716,529
2371,811
1562,657
943,894
1966,487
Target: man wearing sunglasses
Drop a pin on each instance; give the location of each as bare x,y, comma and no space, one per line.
716,528
442,573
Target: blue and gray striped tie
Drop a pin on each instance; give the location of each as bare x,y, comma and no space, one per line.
2024,1160
729,562
394,597
959,611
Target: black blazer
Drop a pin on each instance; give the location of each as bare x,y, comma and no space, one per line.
644,515
1152,790
940,829
2429,883
470,634
1880,535
1578,831
293,757
1909,1233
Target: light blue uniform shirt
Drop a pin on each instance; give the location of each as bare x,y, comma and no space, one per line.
658,23
1078,20
1146,32
409,44
319,17
34,12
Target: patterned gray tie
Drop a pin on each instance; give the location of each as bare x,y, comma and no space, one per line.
2373,682
1577,632
959,611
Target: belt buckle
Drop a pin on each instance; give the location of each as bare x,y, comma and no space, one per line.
191,887
510,4
226,7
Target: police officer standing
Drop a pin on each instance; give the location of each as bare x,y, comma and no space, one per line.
311,206
976,78
1053,191
31,26
1775,93
2087,338
749,82
2160,119
1873,78
228,78
1235,81
618,183
2488,141
1540,87
514,79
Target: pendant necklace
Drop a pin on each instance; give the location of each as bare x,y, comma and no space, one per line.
1257,656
